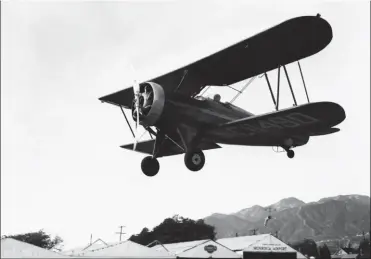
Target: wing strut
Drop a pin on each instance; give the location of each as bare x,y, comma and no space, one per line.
132,132
278,87
276,101
243,89
288,80
270,89
302,77
185,72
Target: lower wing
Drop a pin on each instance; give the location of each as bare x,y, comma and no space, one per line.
168,148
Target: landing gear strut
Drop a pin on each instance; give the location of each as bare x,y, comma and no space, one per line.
150,166
194,160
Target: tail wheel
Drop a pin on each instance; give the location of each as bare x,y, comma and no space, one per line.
150,166
194,160
290,153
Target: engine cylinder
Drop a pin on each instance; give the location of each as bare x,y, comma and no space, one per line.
151,103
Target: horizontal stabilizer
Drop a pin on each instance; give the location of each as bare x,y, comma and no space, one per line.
311,119
324,132
168,148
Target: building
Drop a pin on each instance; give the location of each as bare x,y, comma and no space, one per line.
125,249
346,251
197,249
346,256
260,246
99,243
11,248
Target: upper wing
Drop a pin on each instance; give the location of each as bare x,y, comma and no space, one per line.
308,119
282,44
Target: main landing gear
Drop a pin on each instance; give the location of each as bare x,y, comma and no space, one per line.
194,161
150,166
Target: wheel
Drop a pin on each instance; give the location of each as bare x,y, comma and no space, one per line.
290,153
195,160
150,166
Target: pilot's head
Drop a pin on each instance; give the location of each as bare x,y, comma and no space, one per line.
217,97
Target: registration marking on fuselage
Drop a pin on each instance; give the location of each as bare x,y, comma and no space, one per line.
292,120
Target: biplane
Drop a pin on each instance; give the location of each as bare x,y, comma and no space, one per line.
180,120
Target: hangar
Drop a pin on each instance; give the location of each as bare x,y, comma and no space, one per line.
260,246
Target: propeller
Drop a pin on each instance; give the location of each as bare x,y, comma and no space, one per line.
136,90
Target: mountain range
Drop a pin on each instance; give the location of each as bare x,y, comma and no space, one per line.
331,218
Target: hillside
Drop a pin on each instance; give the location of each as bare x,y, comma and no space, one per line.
327,219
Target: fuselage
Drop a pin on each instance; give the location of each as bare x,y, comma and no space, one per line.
201,112
201,115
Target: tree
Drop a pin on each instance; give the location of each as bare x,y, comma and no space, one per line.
144,237
40,239
307,247
364,247
174,230
324,252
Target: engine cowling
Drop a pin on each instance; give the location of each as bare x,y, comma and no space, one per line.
151,103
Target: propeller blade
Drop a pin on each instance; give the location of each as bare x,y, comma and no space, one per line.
135,145
136,127
136,90
136,87
138,139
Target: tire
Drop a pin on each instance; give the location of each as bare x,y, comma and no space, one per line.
290,153
195,160
150,166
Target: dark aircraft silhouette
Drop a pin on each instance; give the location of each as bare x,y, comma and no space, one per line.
170,107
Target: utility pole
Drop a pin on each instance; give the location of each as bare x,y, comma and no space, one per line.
253,231
121,233
270,210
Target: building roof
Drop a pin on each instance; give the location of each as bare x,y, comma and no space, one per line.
176,248
11,248
350,250
197,249
258,243
126,249
340,252
241,242
99,243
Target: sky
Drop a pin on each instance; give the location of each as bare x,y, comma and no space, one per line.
62,168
